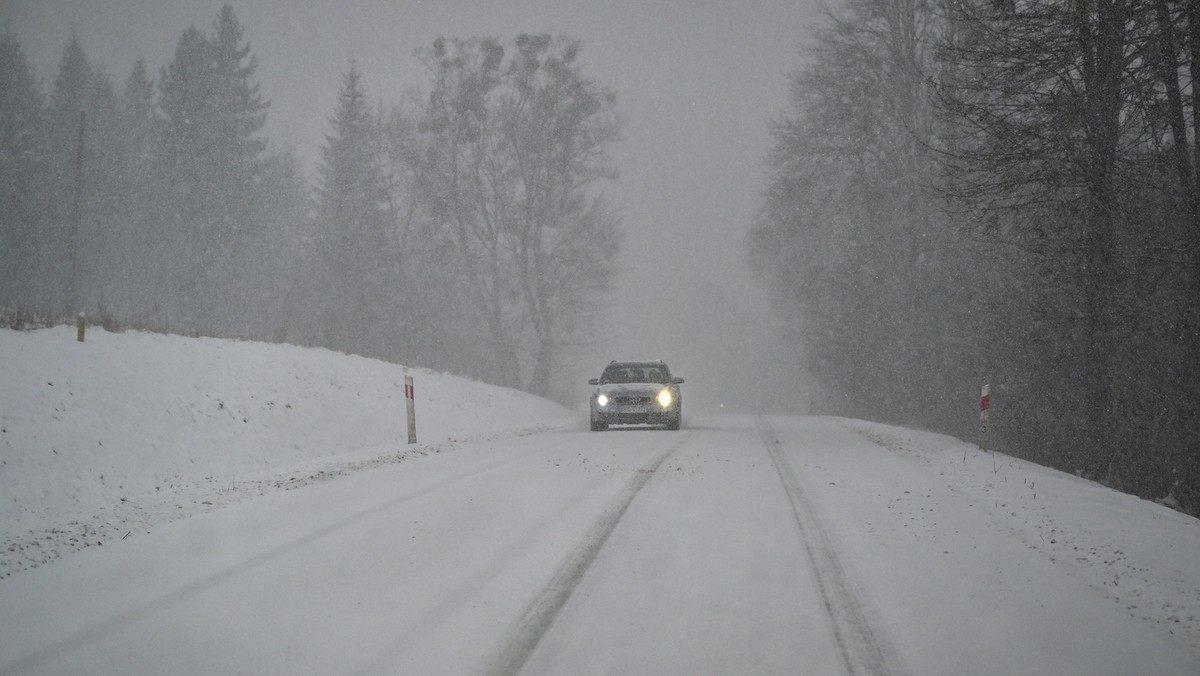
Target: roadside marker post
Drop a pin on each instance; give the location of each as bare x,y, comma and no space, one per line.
411,405
80,327
985,401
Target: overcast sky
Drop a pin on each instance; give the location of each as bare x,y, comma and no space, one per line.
696,82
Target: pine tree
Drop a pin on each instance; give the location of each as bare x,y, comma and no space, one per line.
240,108
141,209
359,258
58,243
22,175
279,308
212,161
101,238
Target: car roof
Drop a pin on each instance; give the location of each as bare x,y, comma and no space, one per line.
624,364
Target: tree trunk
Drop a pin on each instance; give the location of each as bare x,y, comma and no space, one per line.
543,368
1101,52
1193,21
1168,70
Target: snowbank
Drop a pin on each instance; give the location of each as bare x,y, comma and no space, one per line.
86,426
1138,554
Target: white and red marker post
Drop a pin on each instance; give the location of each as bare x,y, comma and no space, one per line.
410,403
985,401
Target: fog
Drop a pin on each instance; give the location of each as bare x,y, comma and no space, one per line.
938,199
696,85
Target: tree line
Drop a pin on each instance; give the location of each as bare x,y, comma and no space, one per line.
463,229
987,191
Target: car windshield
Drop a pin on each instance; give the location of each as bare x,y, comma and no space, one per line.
635,373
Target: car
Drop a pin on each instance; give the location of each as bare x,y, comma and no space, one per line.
636,393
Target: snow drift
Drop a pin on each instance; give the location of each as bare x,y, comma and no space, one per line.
88,427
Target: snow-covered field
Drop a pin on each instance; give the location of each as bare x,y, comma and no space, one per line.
175,505
122,431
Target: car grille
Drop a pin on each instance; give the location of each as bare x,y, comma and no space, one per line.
632,400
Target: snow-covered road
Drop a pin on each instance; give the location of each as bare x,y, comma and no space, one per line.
738,545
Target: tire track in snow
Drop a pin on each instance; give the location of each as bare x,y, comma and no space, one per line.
859,647
538,617
37,659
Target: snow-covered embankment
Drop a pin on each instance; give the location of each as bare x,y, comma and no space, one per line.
94,435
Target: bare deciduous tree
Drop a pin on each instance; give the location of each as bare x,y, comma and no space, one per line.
515,143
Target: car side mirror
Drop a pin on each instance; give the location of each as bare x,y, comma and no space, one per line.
677,381
594,381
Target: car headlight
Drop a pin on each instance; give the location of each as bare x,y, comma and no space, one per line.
602,399
664,398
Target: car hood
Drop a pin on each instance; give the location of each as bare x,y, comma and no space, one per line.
631,389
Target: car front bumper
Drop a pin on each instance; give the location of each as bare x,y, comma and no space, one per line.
615,414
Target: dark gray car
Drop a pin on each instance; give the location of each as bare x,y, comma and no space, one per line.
636,393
